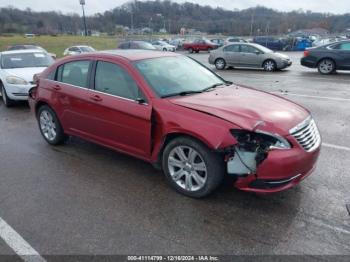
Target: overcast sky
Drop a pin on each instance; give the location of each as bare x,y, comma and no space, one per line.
94,6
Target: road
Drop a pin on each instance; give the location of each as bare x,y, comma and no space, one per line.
81,198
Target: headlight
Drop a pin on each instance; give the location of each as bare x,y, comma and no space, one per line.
253,141
14,80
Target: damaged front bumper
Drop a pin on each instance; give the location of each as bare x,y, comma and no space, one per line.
281,170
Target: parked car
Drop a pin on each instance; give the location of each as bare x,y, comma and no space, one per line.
218,41
230,40
78,49
199,45
17,69
29,46
171,111
271,42
248,55
177,42
136,45
328,58
164,46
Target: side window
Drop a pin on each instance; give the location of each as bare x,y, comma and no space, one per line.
248,49
345,46
232,48
74,73
114,80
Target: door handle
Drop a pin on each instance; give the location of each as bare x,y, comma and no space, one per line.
96,98
57,87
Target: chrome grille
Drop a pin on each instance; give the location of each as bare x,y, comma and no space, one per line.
307,135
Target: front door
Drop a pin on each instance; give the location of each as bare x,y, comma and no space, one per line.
116,118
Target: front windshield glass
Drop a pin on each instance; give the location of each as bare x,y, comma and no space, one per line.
26,60
171,76
87,49
145,45
265,50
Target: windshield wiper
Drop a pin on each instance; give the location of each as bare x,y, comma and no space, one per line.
184,93
214,86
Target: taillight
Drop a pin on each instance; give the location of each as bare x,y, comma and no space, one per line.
306,53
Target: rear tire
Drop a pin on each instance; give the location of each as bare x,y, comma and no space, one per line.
191,168
7,101
210,49
50,127
190,50
164,49
220,64
326,66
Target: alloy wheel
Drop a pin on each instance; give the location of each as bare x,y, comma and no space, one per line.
48,125
269,66
187,168
220,64
326,66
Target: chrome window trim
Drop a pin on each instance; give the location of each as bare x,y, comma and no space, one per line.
89,89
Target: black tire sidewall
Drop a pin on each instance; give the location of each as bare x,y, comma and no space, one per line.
190,50
60,136
9,102
214,163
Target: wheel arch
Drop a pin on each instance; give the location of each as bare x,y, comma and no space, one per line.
269,59
326,57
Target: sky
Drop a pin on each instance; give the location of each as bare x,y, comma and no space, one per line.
94,6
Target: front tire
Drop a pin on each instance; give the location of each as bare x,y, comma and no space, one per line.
326,66
270,66
50,127
164,49
7,101
191,168
220,64
190,50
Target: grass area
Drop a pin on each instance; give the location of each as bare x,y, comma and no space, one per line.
59,43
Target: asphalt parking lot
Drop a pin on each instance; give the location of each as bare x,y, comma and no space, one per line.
83,199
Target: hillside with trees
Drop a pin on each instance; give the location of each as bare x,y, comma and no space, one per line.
157,14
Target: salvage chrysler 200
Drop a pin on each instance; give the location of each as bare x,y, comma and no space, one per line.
171,111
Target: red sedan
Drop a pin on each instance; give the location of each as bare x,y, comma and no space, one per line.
173,112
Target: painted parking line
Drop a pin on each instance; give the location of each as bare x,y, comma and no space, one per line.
18,244
310,96
336,147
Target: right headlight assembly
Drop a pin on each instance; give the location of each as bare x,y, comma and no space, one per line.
252,141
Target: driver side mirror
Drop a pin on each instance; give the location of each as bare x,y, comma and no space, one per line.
257,52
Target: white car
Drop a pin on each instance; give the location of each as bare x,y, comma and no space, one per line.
17,69
78,49
164,46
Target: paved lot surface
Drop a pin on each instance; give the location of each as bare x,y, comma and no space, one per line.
84,199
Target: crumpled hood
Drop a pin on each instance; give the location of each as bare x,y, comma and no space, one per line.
25,73
247,108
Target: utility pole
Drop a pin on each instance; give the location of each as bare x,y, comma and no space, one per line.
252,23
82,3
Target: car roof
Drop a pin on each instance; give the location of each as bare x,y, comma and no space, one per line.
23,51
137,54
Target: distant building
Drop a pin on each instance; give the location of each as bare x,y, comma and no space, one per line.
310,32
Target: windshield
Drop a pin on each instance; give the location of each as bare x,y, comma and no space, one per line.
145,45
26,60
171,76
265,49
87,49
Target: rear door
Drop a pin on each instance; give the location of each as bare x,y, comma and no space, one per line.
232,54
69,95
116,118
